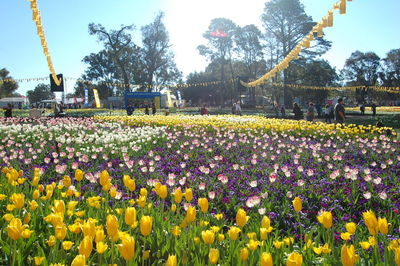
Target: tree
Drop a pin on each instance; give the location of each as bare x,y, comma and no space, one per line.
249,49
220,35
201,93
159,68
362,69
7,88
41,92
287,23
391,65
119,46
315,73
101,70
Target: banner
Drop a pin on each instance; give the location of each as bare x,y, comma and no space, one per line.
96,98
86,102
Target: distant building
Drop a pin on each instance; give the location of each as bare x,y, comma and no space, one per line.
15,101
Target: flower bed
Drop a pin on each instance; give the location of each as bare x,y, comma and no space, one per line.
236,190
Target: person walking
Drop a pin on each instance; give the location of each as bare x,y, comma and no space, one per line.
340,114
8,110
298,114
153,108
328,113
373,107
310,112
238,109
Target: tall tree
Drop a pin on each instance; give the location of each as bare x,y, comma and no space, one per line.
159,68
119,45
362,69
315,73
41,92
102,69
391,66
7,88
287,22
203,92
220,36
249,49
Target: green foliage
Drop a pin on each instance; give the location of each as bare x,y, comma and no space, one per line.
41,92
7,88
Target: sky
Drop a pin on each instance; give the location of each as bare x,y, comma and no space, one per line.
368,25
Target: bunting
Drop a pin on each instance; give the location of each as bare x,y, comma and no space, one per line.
327,21
38,21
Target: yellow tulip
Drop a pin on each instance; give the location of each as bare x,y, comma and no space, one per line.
60,231
241,218
112,227
27,218
127,247
173,207
67,245
294,259
348,255
142,201
79,260
383,226
38,260
208,236
351,228
162,191
190,214
278,244
188,194
297,204
372,241
203,204
67,181
59,206
264,233
253,245
233,232
146,223
130,216
178,195
265,222
213,256
35,194
101,247
371,222
176,231
104,178
266,259
86,246
345,236
365,245
146,254
52,241
8,217
18,200
89,228
26,233
79,175
244,254
171,261
33,205
325,219
143,192
397,256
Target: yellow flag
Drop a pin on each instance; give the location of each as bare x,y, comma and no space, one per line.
96,98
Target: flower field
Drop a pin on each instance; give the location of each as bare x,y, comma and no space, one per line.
197,190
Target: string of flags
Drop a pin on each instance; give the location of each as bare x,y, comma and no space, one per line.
36,17
327,21
204,84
